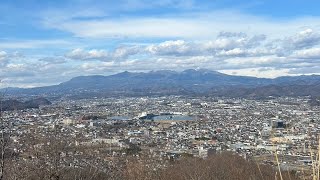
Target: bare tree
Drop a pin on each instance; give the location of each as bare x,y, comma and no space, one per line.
4,139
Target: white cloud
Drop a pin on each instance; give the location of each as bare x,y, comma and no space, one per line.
258,72
185,26
16,70
230,52
226,44
256,61
124,52
235,41
233,52
12,55
313,53
304,39
175,48
81,54
4,58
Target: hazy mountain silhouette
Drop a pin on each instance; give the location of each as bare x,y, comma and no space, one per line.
190,81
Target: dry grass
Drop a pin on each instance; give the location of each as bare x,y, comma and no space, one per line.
225,166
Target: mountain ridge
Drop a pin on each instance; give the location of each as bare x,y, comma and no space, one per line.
190,81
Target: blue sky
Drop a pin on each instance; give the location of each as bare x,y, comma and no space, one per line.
48,42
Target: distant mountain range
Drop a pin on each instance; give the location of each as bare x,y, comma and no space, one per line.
188,82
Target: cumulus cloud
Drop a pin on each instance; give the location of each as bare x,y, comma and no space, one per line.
34,73
226,44
3,58
233,52
288,45
231,42
227,47
81,54
123,52
256,61
230,52
120,53
258,72
304,39
313,53
6,57
16,70
173,48
227,40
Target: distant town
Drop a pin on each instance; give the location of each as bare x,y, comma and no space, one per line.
170,127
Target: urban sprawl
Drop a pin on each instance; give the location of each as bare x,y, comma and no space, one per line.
167,128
